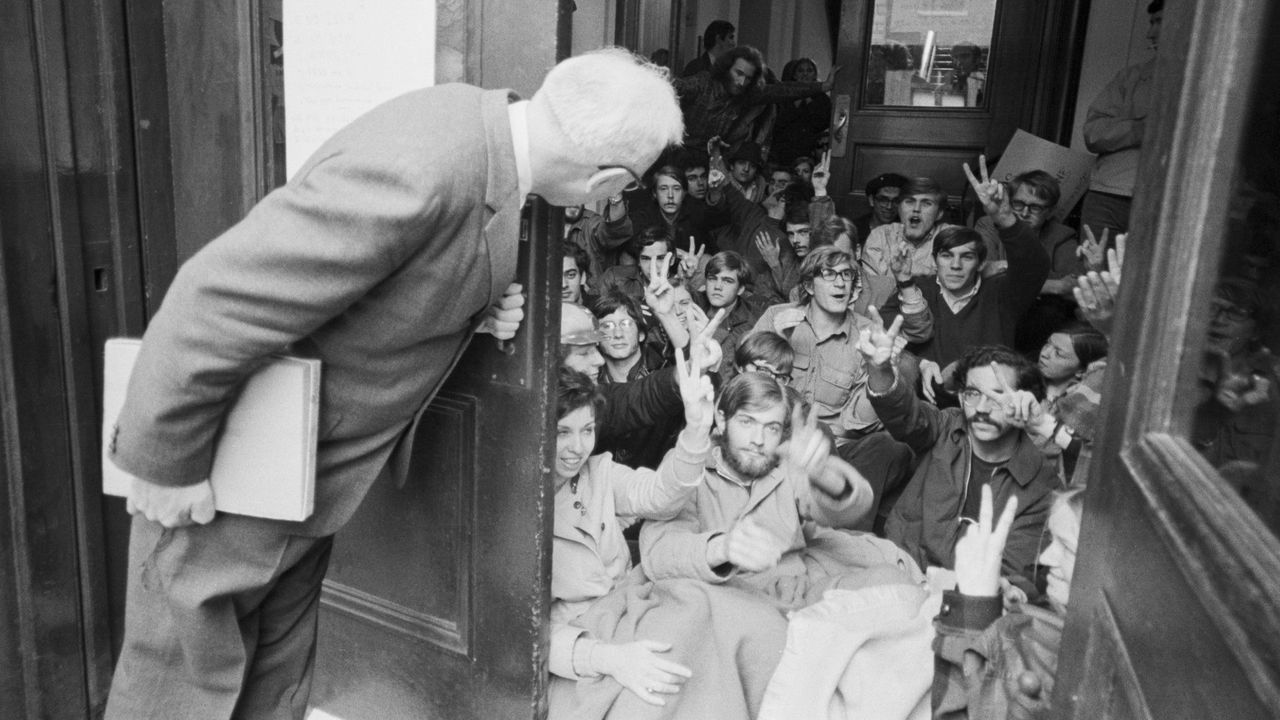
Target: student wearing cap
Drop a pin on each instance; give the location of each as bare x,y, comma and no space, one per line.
883,195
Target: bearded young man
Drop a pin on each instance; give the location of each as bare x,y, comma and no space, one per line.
768,505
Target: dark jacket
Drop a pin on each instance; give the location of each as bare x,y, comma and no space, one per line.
640,422
694,218
991,667
926,519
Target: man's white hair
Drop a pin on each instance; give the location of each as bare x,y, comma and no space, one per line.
613,108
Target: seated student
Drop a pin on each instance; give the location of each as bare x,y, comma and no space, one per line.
920,207
969,309
883,193
596,498
696,165
575,275
959,450
601,237
823,328
991,664
727,278
1034,196
762,518
747,223
765,352
802,168
669,205
745,162
631,409
1074,364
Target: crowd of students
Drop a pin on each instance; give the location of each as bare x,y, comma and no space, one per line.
762,402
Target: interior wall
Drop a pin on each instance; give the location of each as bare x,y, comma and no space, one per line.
1116,38
592,25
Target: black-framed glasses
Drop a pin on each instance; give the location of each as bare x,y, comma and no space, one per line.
889,201
1033,208
636,183
830,274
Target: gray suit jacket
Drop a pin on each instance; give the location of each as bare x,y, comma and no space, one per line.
378,257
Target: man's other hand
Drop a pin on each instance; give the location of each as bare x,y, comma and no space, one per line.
171,506
504,317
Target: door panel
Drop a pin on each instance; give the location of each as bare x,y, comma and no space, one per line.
1176,572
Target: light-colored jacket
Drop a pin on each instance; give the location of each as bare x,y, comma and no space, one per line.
788,507
589,556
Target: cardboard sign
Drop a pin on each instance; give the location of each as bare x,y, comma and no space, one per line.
1071,167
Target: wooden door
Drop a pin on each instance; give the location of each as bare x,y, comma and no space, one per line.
1175,604
884,116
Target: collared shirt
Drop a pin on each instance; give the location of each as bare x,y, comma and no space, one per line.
518,112
828,372
957,302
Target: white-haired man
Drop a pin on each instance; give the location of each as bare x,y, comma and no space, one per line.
415,205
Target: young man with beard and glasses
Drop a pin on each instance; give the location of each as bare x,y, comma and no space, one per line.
970,309
600,236
727,278
823,330
763,518
983,442
730,101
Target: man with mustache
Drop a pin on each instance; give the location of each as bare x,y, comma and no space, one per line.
983,442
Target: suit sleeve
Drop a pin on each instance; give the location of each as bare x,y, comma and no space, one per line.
1028,267
303,255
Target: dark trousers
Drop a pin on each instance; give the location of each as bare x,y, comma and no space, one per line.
1105,210
220,621
886,464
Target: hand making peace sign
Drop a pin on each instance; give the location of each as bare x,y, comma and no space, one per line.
876,344
658,294
992,194
1021,408
691,260
821,174
696,392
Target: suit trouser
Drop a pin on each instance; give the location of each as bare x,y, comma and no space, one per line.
885,463
220,621
1105,210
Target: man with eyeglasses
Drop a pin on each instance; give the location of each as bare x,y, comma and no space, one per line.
823,330
983,442
884,192
1034,198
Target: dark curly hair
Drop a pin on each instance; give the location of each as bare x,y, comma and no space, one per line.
1027,376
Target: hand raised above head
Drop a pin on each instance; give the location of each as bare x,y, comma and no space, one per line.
696,392
979,552
991,194
808,448
877,344
704,351
821,174
658,293
768,247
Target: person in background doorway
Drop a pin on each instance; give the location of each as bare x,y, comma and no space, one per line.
883,193
800,128
1113,129
719,37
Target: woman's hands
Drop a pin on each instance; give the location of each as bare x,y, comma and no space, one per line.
639,667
